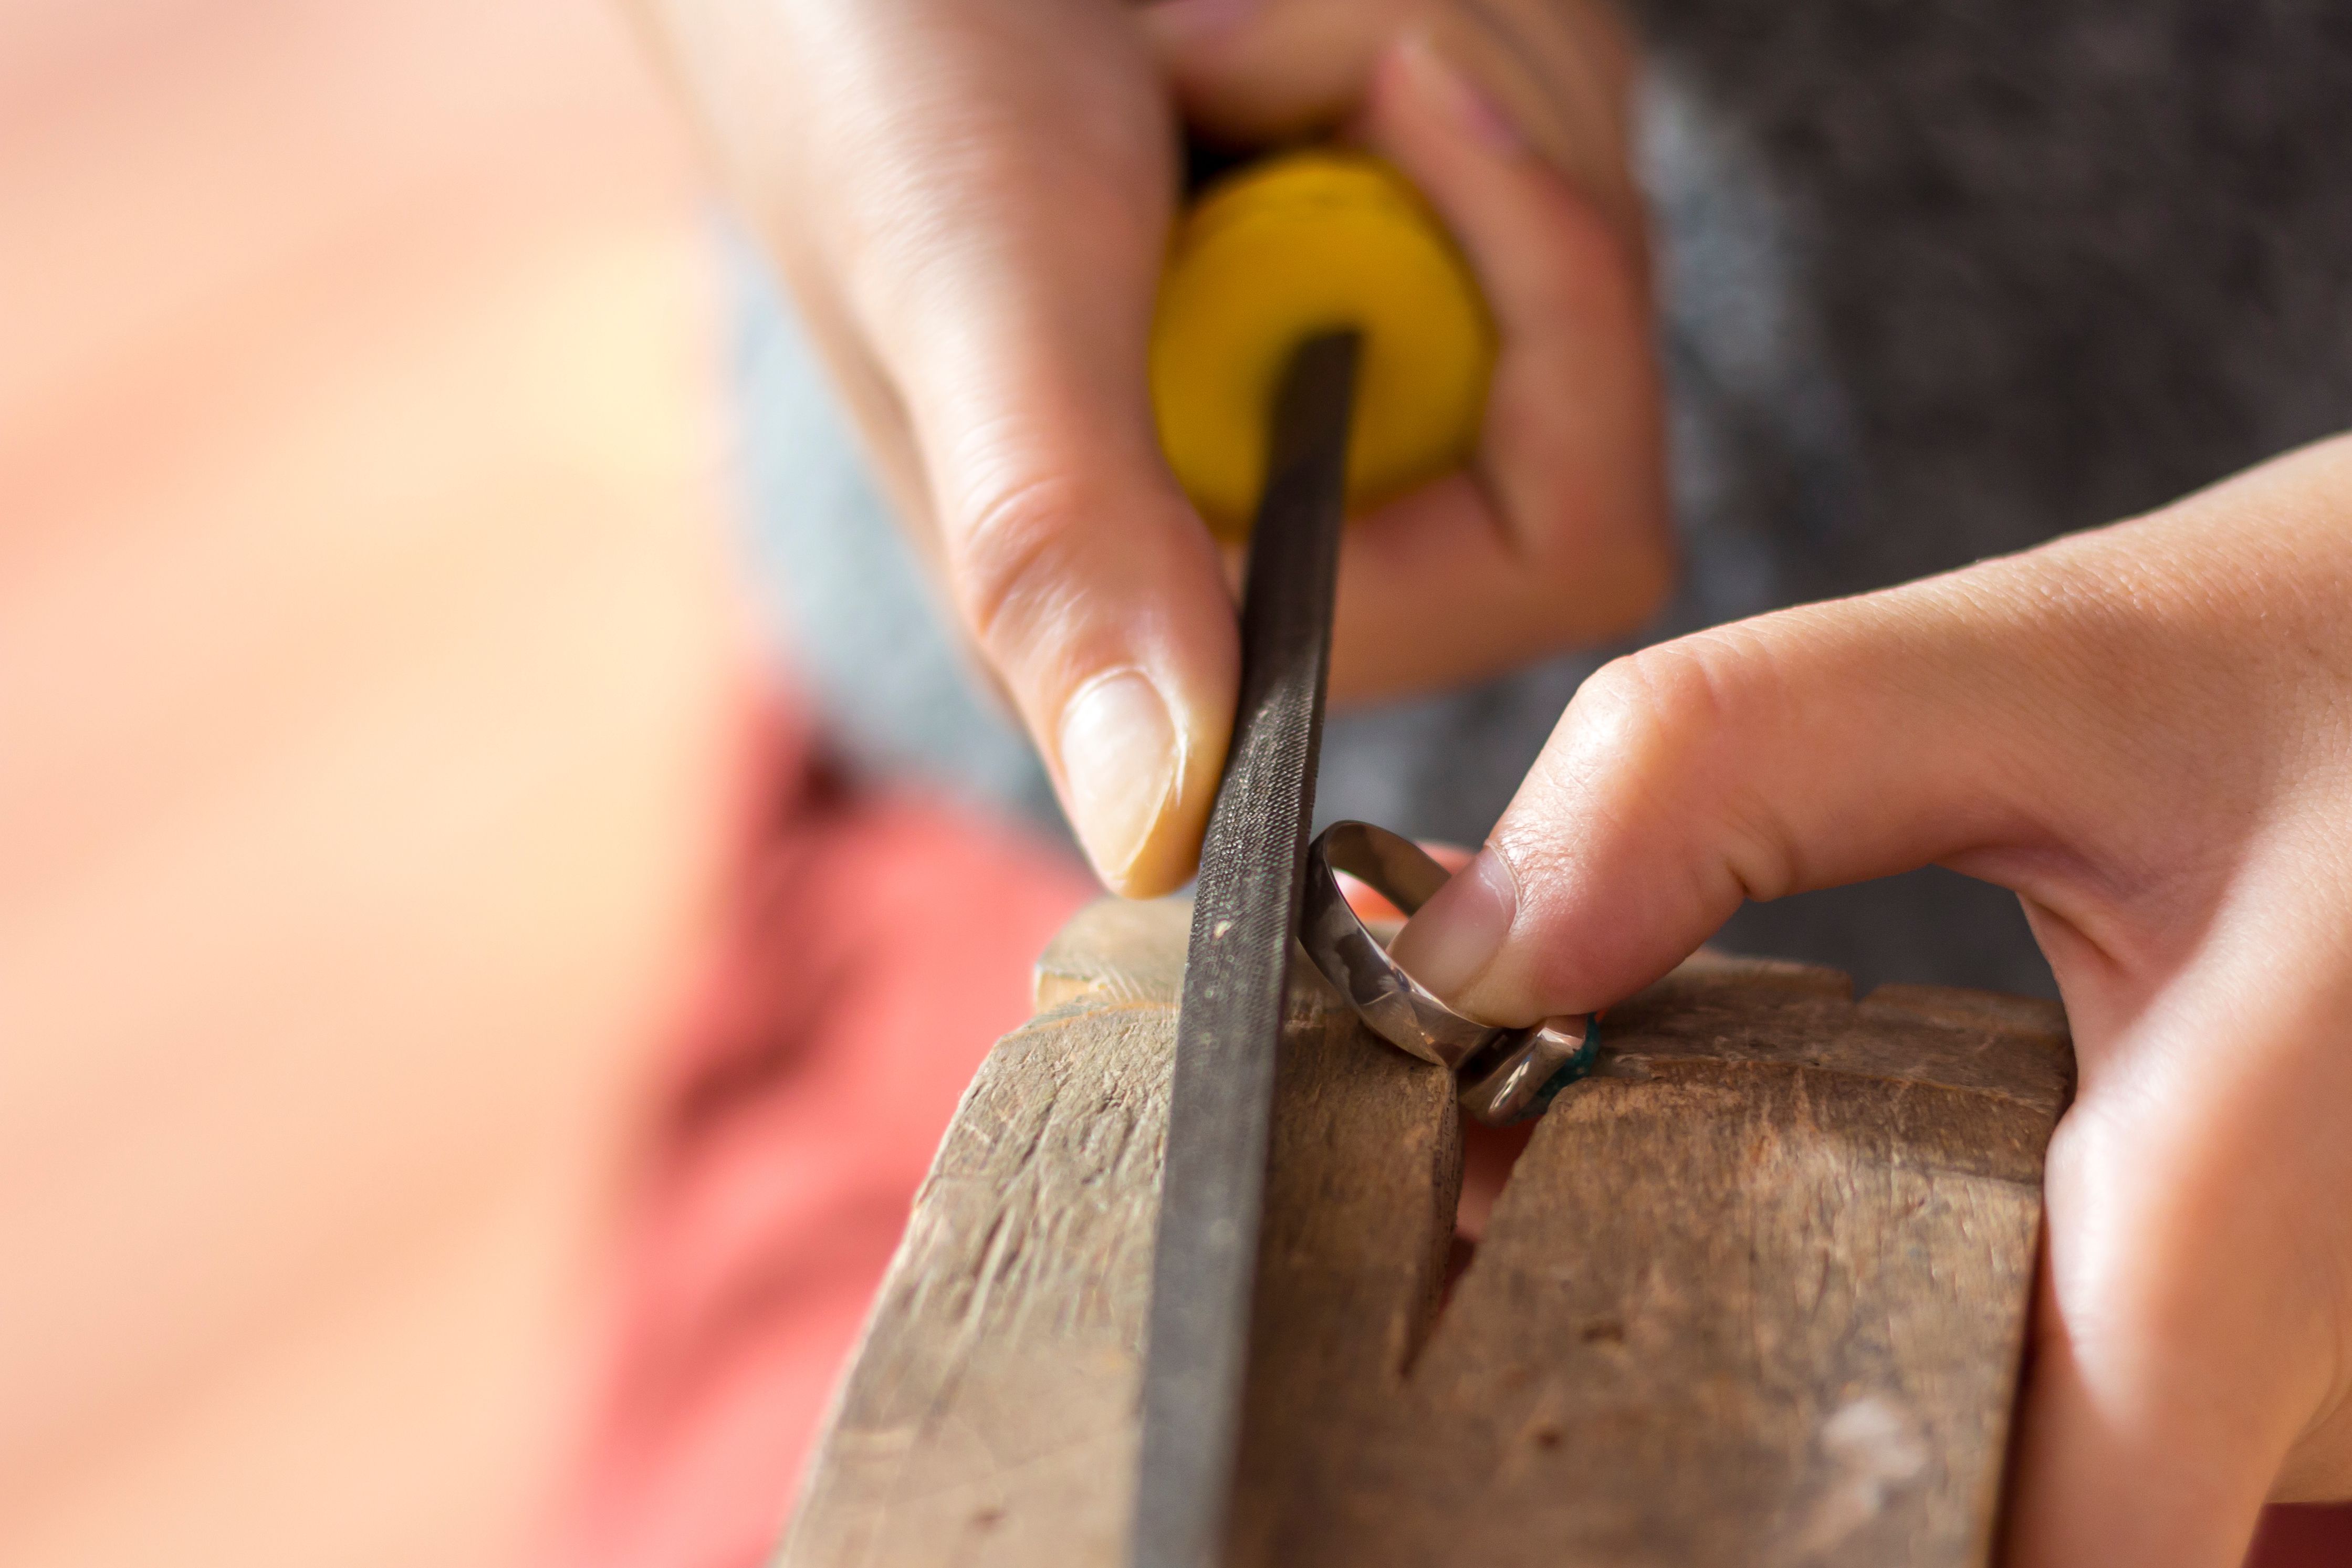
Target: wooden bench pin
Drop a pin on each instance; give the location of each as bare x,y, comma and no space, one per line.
1755,1293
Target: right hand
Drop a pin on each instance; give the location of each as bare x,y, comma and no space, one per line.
2146,732
970,201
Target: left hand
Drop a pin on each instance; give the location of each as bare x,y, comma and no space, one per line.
2145,732
1511,117
971,200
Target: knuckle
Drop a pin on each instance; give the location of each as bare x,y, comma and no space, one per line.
1626,735
1013,565
1680,723
1663,708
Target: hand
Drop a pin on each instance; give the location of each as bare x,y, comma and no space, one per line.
2145,732
971,200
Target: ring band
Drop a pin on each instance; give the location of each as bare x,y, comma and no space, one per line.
1506,1074
1395,1005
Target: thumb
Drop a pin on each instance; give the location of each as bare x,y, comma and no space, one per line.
1000,248
1814,747
1089,586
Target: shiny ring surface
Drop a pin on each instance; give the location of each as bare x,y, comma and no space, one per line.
1506,1074
1351,958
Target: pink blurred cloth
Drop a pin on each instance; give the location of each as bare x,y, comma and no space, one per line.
882,941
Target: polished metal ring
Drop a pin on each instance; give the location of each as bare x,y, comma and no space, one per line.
1506,1074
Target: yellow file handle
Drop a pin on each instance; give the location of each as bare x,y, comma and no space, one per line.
1302,242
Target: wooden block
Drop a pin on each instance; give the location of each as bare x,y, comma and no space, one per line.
1756,1292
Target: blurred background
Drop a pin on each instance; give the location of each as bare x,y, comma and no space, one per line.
390,786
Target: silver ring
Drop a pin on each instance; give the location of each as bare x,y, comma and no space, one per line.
1393,1003
1506,1074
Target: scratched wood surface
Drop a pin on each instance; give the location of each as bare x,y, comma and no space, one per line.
1755,1293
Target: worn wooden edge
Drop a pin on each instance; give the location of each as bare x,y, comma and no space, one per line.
1116,951
1948,1096
1002,1353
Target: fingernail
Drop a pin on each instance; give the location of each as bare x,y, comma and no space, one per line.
1120,765
1460,97
1458,933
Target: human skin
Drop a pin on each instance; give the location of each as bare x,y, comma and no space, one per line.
2146,732
971,200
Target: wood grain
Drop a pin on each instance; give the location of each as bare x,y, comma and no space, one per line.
1756,1292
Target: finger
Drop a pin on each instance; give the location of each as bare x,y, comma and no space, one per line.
1092,588
997,250
1558,536
1559,75
2099,725
1801,750
2185,1338
1254,72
